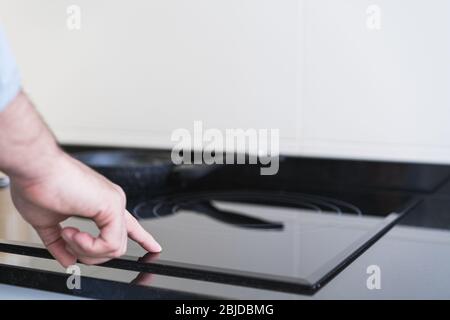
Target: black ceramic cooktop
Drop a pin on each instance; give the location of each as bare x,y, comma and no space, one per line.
272,239
292,232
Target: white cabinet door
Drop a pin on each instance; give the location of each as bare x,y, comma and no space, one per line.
347,78
138,69
377,78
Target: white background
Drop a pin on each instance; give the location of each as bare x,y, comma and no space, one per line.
138,69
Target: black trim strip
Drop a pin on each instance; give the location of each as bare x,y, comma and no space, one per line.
90,287
177,270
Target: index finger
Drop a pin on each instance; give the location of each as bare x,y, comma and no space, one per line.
140,235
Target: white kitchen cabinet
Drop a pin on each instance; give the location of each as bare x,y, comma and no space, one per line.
339,78
377,78
137,70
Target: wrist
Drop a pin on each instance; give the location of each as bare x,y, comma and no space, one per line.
37,165
28,147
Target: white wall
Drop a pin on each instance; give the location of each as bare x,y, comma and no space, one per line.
139,69
381,94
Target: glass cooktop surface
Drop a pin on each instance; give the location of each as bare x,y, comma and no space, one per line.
286,241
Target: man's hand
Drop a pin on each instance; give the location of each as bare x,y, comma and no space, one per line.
72,189
48,187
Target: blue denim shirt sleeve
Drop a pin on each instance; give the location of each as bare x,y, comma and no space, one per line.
10,84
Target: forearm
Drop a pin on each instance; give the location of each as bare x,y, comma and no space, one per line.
27,146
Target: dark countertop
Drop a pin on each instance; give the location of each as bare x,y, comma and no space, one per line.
414,263
413,257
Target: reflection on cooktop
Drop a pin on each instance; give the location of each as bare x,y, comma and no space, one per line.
203,203
288,241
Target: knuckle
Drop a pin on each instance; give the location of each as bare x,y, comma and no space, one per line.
113,201
121,196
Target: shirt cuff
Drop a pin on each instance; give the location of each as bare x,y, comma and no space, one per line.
10,84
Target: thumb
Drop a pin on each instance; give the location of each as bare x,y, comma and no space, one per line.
51,237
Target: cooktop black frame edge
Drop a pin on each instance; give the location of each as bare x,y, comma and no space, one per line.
55,282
